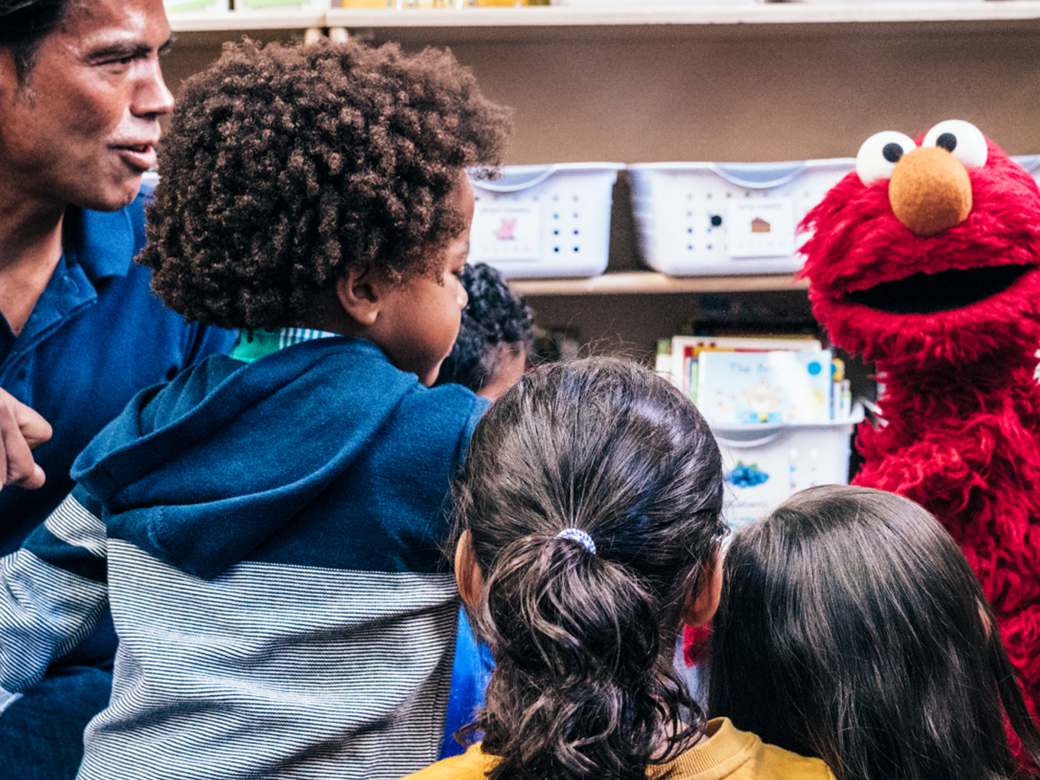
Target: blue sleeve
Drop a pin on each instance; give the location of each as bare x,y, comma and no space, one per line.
53,591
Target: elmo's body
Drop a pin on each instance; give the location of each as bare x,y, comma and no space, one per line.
928,263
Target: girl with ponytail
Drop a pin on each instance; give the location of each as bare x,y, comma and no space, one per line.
587,532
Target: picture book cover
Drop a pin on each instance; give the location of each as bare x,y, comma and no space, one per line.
738,388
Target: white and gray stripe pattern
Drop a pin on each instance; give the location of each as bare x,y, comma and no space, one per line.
74,524
44,612
289,336
272,671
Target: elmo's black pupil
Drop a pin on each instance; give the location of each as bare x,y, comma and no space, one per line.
892,152
947,141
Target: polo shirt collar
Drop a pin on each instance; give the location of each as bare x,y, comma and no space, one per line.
102,242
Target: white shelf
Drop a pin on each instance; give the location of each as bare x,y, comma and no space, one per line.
641,282
234,21
637,15
634,16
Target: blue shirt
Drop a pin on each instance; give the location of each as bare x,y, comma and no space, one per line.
96,336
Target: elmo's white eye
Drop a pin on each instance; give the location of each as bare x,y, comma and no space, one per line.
879,154
961,139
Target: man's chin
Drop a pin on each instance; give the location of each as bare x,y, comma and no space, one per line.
115,197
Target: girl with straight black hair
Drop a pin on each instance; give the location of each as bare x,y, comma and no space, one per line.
588,532
852,628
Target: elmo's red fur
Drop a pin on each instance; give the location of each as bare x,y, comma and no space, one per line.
953,323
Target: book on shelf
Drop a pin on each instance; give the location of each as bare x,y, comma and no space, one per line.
740,381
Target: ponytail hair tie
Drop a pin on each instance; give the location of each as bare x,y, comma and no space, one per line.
579,536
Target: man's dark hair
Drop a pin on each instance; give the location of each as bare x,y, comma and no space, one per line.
284,167
495,317
23,26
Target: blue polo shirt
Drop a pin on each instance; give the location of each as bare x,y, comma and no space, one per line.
96,336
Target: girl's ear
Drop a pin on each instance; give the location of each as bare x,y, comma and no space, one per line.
467,572
360,294
703,599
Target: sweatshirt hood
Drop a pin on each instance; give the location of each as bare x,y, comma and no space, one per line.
200,471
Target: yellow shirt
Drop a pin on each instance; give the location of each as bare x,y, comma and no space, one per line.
728,754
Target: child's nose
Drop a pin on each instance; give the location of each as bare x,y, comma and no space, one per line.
463,296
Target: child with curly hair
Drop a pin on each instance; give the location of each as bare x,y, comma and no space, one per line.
852,628
267,527
588,528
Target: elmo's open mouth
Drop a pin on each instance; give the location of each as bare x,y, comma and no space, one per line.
943,291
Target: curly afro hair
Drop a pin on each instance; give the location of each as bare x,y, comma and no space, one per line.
495,315
284,167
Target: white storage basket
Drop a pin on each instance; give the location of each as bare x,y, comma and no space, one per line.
544,220
1031,162
703,218
766,464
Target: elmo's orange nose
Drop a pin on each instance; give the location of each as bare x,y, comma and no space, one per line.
930,191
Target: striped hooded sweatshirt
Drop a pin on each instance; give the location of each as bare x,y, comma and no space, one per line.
267,536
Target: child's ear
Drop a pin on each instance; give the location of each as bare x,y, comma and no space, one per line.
703,598
467,572
360,294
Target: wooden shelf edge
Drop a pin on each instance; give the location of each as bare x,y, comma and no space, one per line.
645,282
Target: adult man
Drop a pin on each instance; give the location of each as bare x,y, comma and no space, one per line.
81,93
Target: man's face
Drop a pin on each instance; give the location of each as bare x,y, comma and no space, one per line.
82,127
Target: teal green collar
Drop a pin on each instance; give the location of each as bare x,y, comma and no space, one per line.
254,344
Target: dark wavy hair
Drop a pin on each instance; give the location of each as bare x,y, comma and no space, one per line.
285,166
494,316
852,628
584,684
23,26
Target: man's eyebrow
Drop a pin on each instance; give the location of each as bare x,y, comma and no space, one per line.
169,42
120,51
128,49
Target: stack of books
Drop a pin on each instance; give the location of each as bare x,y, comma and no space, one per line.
737,380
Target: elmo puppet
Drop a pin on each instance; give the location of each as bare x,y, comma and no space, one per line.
926,261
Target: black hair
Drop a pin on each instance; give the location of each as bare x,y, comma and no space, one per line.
853,629
23,26
286,166
494,317
584,684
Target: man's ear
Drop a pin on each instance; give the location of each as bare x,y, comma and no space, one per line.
467,572
703,598
360,294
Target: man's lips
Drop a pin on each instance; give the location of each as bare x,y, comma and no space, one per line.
138,156
943,291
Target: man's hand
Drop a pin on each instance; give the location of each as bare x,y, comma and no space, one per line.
21,430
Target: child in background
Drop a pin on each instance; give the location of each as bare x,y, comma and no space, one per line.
268,526
490,353
853,629
588,529
489,357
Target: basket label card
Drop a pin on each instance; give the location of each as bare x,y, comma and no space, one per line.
760,227
506,232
